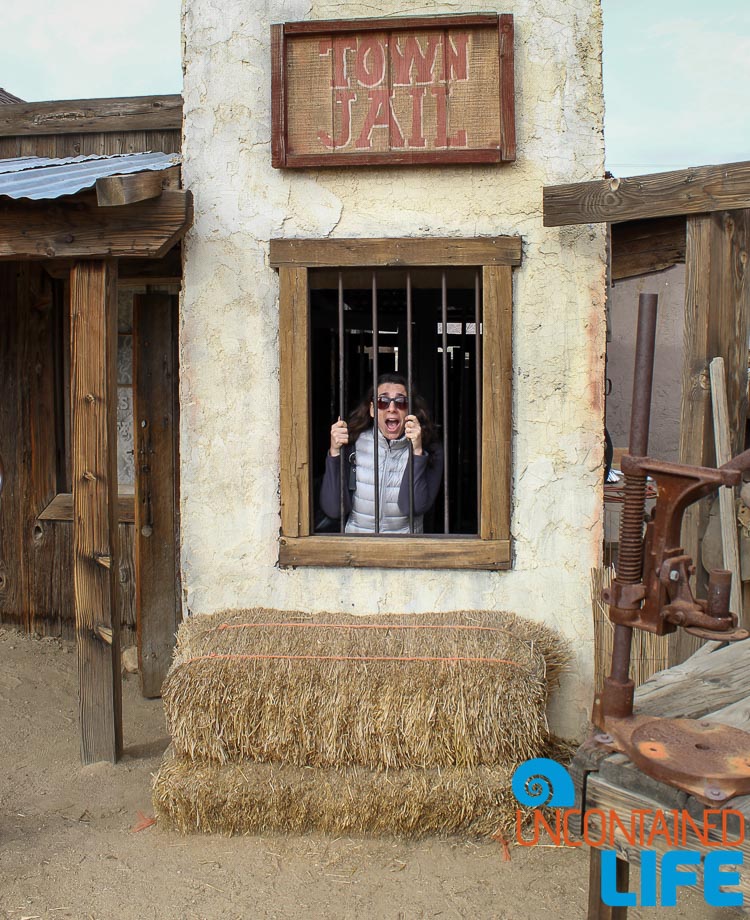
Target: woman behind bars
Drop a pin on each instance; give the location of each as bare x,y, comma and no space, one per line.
399,426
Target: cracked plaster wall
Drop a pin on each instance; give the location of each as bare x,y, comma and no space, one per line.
229,320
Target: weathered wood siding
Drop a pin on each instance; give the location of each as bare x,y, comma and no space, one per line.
36,556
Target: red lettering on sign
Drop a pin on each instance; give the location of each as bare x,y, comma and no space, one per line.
456,57
380,115
417,94
458,139
412,65
343,98
411,56
370,62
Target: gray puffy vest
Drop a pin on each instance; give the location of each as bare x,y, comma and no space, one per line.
392,459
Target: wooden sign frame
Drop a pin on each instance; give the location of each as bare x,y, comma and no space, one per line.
354,34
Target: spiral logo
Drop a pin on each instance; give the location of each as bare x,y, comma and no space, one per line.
543,782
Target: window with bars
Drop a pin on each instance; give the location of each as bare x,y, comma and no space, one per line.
438,313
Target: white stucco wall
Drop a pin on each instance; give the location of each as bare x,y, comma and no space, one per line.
229,326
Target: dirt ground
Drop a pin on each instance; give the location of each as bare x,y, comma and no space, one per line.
71,847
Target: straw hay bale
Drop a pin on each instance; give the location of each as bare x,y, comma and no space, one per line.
253,798
244,688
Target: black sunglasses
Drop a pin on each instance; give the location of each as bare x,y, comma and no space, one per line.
384,402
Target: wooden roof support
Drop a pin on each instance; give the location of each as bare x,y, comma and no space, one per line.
77,228
81,116
717,317
643,246
684,191
95,545
115,191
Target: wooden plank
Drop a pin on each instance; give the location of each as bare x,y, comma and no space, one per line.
61,508
597,909
13,319
132,272
126,585
114,191
77,228
93,397
728,513
412,251
497,401
278,98
395,552
507,88
446,21
685,191
39,383
102,144
603,796
158,604
81,116
695,409
294,384
703,684
717,311
643,246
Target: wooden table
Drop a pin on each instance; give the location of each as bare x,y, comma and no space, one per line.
712,685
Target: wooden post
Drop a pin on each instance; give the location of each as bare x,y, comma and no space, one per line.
717,312
95,569
597,909
158,606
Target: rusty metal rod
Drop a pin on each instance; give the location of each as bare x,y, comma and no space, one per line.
409,390
630,554
342,403
375,428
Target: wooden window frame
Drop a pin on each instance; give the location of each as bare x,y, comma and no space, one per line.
491,549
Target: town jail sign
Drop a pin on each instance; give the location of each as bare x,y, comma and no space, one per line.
411,90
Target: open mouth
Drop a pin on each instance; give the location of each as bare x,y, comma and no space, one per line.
392,425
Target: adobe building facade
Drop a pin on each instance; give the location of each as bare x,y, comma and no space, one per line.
229,330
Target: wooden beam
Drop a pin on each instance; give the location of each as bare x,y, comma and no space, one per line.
411,251
684,191
643,246
114,191
94,401
717,315
294,385
61,508
156,412
497,401
132,272
86,116
78,228
421,552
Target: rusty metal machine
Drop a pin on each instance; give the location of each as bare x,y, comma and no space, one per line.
652,591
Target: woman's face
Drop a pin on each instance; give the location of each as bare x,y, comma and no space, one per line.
391,419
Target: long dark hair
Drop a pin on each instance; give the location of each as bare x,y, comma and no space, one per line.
360,420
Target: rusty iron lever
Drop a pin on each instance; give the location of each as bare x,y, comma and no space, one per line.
651,591
2,475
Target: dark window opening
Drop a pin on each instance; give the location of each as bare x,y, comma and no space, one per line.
444,358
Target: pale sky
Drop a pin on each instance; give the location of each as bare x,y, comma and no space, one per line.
676,72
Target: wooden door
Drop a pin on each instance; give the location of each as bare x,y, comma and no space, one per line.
156,412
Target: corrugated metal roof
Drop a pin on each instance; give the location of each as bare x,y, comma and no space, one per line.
41,178
6,98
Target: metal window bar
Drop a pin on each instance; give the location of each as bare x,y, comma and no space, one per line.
478,371
375,457
409,390
342,404
446,490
